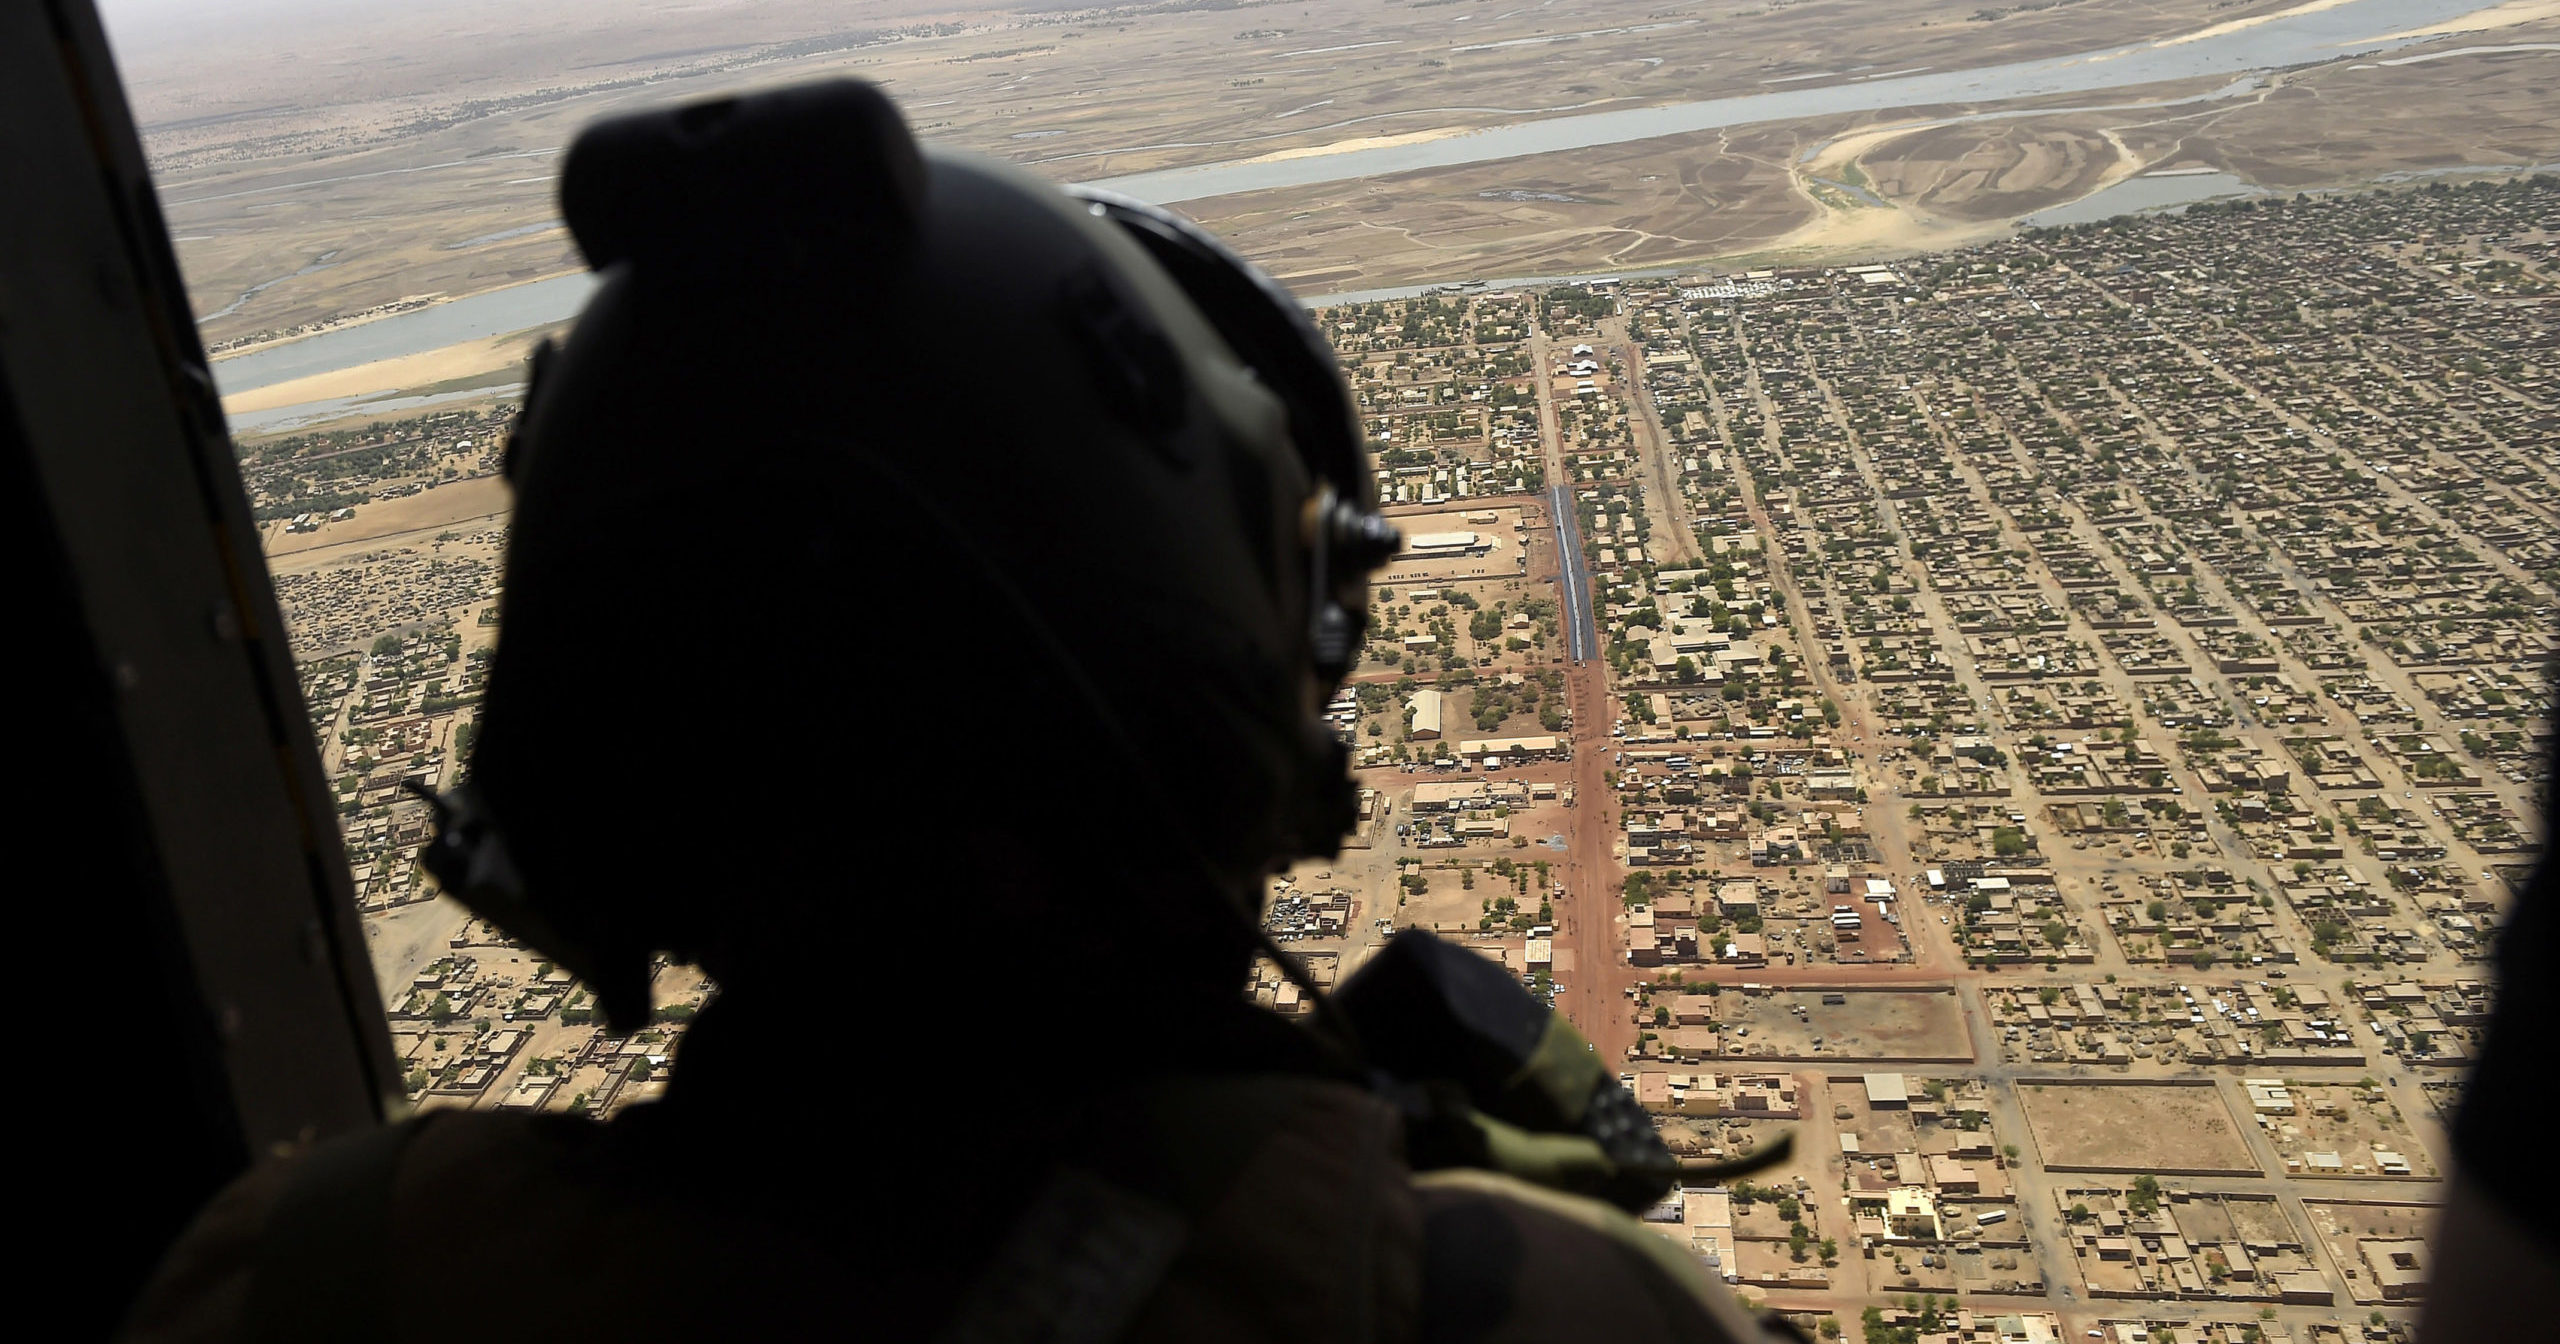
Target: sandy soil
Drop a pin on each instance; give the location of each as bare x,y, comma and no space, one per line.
314,169
2350,122
415,517
1871,1024
2507,15
2353,1135
1983,174
1359,142
437,176
1448,906
2252,21
497,354
1655,202
2134,1128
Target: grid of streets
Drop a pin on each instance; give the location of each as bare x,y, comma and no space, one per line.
2055,725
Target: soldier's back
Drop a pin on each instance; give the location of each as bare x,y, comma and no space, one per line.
1233,1207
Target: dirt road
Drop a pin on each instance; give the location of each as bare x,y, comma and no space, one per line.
1591,959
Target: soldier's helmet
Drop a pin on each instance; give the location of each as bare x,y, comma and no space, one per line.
894,525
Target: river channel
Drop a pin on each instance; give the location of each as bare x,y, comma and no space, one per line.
2300,37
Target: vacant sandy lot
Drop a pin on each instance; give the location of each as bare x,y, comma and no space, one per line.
463,505
2145,1127
1868,1024
1450,906
2228,1218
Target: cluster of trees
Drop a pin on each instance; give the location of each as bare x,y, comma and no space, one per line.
1518,874
1541,693
1574,301
1928,1318
1505,912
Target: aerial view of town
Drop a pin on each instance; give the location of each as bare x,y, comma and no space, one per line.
2044,698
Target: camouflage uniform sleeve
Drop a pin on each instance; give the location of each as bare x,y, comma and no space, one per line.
1503,1260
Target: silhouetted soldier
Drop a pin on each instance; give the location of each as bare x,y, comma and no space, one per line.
2495,1252
923,590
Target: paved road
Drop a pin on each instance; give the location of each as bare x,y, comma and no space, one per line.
1591,963
1581,636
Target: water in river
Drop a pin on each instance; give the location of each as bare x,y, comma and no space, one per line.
495,313
2142,192
2352,28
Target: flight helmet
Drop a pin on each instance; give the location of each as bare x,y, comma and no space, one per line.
882,488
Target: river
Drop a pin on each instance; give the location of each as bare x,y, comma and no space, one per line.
2351,28
2144,191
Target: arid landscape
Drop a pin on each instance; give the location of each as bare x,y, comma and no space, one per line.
1979,580
394,156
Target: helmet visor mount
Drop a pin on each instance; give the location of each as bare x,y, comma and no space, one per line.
1345,538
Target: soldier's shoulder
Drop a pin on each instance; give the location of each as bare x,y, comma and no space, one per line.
1503,1259
439,1180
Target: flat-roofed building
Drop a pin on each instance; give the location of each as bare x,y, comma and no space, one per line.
1452,795
1953,1177
1439,545
2398,1268
1911,1213
1535,747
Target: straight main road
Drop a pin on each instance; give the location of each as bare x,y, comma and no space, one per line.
1573,578
1591,956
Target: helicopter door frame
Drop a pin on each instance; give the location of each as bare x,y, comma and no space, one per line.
187,845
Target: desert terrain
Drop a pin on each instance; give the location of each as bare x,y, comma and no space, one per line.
323,164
